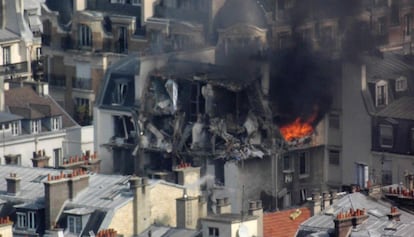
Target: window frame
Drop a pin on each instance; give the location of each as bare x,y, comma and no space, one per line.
304,156
85,35
31,220
35,126
74,224
213,232
55,123
381,93
21,220
401,84
380,133
337,161
6,51
15,128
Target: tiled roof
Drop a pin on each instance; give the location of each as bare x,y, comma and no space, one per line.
279,224
402,109
24,101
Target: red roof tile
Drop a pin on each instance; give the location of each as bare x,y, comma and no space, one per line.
279,224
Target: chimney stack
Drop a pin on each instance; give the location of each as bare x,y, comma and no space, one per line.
141,205
223,205
187,175
315,203
58,189
394,214
13,184
256,209
345,221
187,212
326,200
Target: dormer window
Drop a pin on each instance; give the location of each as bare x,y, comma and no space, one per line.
26,220
56,123
120,92
401,84
381,93
85,36
74,224
35,126
136,2
386,135
15,128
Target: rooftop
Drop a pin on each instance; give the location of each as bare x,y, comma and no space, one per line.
281,224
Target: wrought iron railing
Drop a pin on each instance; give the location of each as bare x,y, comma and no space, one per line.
82,83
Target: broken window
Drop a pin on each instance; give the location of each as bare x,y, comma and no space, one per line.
197,101
386,135
119,93
124,128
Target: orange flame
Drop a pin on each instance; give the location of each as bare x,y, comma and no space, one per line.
298,128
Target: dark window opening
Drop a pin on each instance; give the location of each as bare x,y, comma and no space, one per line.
334,157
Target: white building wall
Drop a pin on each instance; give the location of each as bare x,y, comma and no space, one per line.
104,130
26,145
356,138
78,141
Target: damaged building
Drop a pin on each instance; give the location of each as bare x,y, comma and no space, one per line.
155,113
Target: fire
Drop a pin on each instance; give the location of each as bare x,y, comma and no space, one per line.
298,128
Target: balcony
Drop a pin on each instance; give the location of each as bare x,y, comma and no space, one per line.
82,83
13,69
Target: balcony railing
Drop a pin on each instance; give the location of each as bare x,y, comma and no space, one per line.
13,69
82,83
57,80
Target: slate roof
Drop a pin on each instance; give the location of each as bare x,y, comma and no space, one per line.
323,223
390,65
7,35
402,108
162,231
280,224
8,117
25,102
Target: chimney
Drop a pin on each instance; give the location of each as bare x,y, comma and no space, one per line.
42,88
223,205
60,188
40,159
363,77
202,208
334,196
13,184
79,5
256,209
316,203
345,221
141,205
394,214
187,212
189,177
326,200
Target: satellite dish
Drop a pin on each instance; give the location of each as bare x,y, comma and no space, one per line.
243,231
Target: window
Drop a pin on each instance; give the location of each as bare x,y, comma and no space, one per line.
75,224
56,123
6,55
408,24
334,157
401,84
412,140
12,159
334,121
82,102
85,36
213,232
386,135
395,13
57,157
118,1
136,2
35,126
304,163
283,39
381,93
21,220
286,163
197,102
31,220
15,128
382,25
122,40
